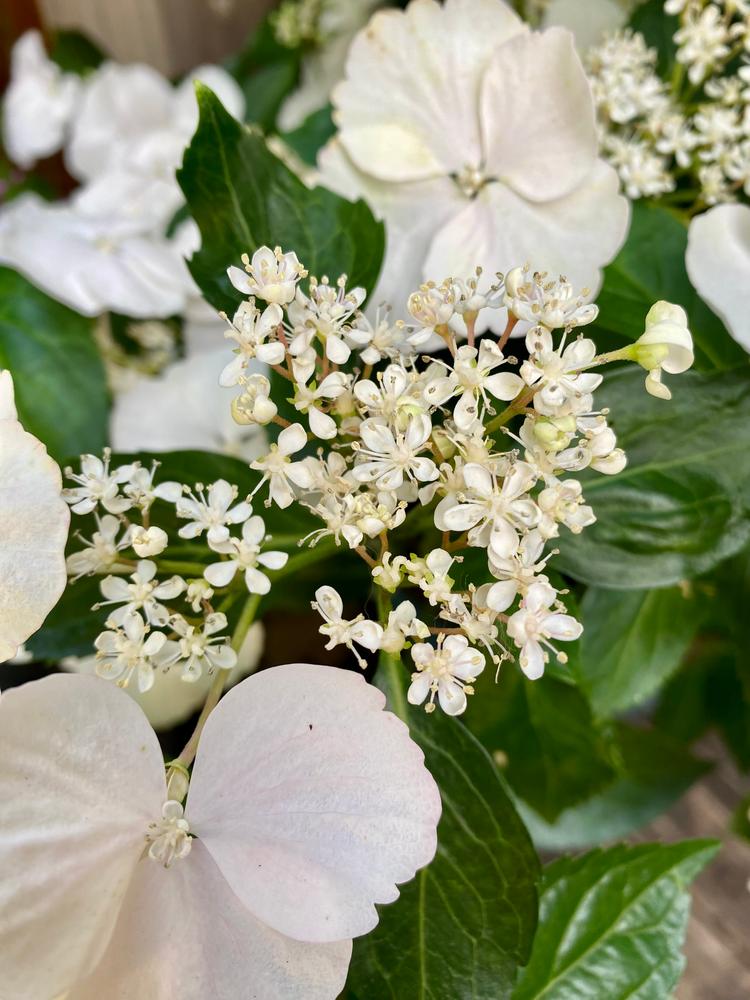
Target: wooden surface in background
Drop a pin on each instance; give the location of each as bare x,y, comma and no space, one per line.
718,941
172,35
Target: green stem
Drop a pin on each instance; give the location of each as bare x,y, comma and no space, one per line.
216,690
182,568
390,667
518,404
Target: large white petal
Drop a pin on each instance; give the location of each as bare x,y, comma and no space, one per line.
312,800
183,933
81,777
121,105
34,523
427,62
718,262
537,116
413,214
575,235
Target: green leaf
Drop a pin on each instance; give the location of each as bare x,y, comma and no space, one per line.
554,755
75,52
612,923
653,772
460,930
713,691
659,29
682,504
651,266
60,386
243,197
311,135
633,641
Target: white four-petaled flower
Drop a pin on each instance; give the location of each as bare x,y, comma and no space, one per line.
307,805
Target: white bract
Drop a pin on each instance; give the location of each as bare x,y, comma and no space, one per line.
34,522
261,878
718,262
481,147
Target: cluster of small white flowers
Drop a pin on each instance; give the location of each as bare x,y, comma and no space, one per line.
654,132
419,436
146,632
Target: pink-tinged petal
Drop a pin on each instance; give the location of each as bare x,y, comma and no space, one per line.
428,61
183,933
81,777
575,235
313,802
34,522
537,116
718,262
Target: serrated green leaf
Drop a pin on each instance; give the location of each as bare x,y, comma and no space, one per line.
243,197
74,52
60,386
682,504
554,754
612,923
633,641
653,772
460,930
309,137
651,266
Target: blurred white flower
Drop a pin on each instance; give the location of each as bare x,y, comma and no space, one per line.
718,262
589,20
39,103
34,522
93,263
159,413
263,879
171,700
481,147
